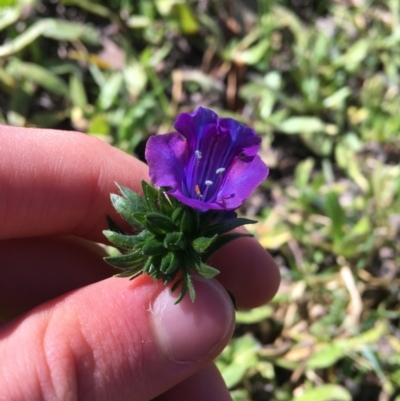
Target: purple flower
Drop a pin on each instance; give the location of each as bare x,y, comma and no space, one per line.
210,163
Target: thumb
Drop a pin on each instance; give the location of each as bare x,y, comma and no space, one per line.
115,339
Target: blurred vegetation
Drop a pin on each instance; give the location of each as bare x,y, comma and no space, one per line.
319,80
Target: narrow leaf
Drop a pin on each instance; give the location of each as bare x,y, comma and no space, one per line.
221,241
153,247
150,196
137,202
207,271
161,221
225,226
121,240
124,208
202,243
125,261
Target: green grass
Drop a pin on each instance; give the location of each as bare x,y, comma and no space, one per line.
320,83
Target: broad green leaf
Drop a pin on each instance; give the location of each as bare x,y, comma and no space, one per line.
99,125
40,75
336,213
109,91
327,356
355,55
240,356
187,20
77,92
253,54
328,392
296,125
53,29
255,315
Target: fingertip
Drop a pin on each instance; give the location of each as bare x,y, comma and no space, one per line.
248,271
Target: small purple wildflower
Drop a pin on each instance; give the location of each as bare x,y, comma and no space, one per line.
210,163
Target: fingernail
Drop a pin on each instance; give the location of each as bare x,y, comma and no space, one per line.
190,331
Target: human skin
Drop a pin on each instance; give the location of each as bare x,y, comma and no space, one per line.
70,331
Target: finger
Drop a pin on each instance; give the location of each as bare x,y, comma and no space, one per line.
39,269
59,183
113,340
36,270
205,385
248,271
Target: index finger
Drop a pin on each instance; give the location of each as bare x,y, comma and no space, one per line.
58,183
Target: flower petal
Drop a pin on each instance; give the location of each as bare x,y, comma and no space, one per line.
193,125
241,180
167,156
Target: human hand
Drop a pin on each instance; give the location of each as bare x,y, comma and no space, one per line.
76,332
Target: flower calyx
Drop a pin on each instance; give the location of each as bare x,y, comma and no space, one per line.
172,240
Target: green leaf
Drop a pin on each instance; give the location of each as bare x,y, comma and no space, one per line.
40,75
175,241
109,91
189,221
336,213
125,261
164,223
53,29
124,208
255,315
174,265
225,226
296,125
150,196
202,243
77,92
153,247
190,287
138,204
207,271
123,241
328,392
221,241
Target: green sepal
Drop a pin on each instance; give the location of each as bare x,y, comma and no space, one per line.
121,240
153,246
125,261
201,244
225,226
166,261
189,222
164,202
175,241
150,196
221,241
177,214
132,273
207,271
137,203
124,208
160,222
174,265
190,287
